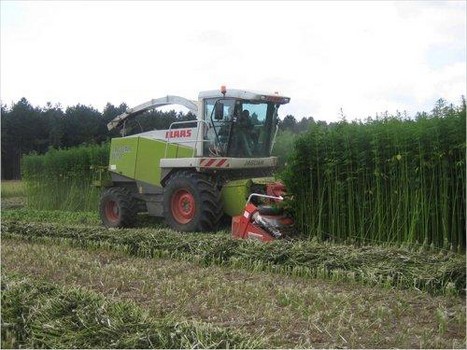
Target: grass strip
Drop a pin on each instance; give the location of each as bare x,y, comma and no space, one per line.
14,188
68,217
38,314
437,273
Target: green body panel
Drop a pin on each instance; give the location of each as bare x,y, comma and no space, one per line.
234,195
123,156
139,158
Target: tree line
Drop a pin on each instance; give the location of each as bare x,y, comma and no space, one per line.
26,129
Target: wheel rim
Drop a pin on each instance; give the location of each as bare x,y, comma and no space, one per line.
112,212
183,206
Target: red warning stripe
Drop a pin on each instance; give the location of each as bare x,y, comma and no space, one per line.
224,163
210,163
214,163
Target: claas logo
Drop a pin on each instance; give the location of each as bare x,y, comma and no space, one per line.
178,133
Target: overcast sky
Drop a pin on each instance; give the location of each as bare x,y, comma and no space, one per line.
364,57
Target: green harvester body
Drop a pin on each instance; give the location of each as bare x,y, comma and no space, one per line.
195,171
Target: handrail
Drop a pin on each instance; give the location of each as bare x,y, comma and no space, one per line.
263,196
168,139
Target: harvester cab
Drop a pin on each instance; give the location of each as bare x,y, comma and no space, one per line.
197,171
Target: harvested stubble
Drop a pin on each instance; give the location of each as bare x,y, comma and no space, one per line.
434,272
252,303
38,314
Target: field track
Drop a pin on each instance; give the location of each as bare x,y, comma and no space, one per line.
435,272
254,299
285,311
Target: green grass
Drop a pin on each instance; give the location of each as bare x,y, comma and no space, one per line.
59,216
385,180
283,146
71,217
13,188
62,179
436,272
277,311
37,314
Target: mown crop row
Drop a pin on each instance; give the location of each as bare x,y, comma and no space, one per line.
385,180
37,314
435,272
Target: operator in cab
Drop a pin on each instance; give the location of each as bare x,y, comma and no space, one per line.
242,140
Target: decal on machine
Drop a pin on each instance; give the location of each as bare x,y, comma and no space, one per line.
173,134
118,152
254,162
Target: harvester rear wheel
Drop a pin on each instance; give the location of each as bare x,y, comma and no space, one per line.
117,208
192,202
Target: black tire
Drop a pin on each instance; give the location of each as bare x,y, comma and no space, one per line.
192,202
117,208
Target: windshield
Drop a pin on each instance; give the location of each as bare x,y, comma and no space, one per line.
240,128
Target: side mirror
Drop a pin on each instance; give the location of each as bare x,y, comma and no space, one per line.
219,111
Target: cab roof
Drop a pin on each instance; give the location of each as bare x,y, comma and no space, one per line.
246,95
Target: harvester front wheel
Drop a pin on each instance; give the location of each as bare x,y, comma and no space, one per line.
117,208
192,202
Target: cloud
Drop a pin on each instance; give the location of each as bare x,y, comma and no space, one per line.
364,57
